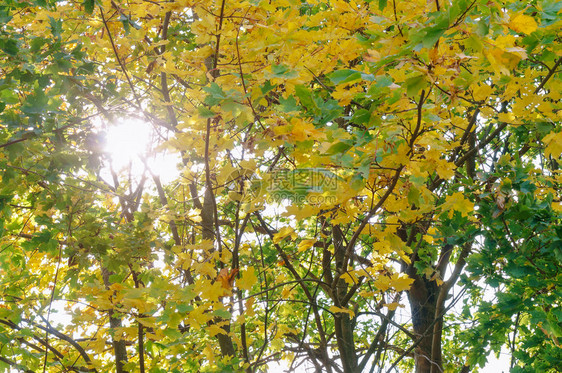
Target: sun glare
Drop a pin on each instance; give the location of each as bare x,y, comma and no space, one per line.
134,147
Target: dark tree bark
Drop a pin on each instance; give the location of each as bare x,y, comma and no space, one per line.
343,323
423,301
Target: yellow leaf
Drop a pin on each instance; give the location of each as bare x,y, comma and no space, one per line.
523,24
277,344
147,322
336,309
286,293
382,247
306,244
212,292
198,317
208,352
392,306
300,212
553,143
283,232
482,92
215,329
226,277
349,277
457,202
249,305
506,117
444,169
98,345
234,196
248,279
382,283
116,287
401,282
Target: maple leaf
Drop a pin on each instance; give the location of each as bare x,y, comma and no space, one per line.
400,282
283,233
306,244
226,277
336,309
553,143
457,202
247,279
523,24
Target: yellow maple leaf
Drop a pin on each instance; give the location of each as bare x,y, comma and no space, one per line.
306,244
116,287
247,279
226,277
148,322
350,277
457,202
401,282
523,24
277,344
445,170
506,117
212,292
215,329
300,212
336,309
249,305
392,306
198,317
284,232
482,92
553,143
382,283
382,247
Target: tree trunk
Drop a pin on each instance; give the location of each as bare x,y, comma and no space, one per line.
342,322
119,347
423,301
208,226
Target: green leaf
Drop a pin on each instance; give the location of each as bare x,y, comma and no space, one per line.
344,76
125,22
10,46
216,94
56,26
266,87
36,103
482,28
305,97
288,104
361,116
413,195
89,6
185,308
283,71
383,81
338,148
37,43
222,313
432,35
415,84
205,112
382,4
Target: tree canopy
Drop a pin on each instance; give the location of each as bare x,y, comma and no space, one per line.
361,185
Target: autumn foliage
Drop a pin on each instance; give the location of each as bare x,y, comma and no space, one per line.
361,186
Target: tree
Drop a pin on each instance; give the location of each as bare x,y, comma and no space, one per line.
339,161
